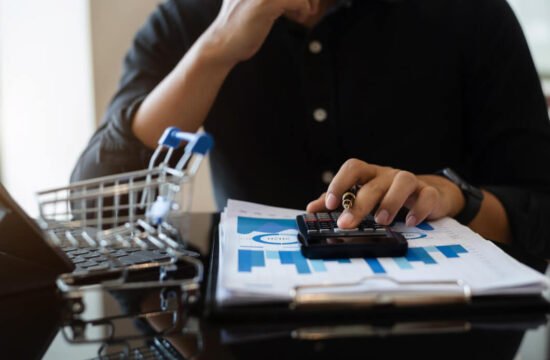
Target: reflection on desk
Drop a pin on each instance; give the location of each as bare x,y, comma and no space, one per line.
29,324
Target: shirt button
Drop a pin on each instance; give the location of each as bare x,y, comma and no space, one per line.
327,177
320,115
315,47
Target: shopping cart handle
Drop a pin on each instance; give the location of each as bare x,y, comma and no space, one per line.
197,143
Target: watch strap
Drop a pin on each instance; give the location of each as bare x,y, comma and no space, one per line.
472,205
473,197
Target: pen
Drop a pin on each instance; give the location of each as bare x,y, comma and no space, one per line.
349,198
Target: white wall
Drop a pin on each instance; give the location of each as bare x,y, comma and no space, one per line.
60,63
114,24
46,112
45,80
534,16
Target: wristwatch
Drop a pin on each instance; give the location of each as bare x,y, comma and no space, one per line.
472,196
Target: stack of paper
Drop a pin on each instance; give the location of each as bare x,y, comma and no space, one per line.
260,260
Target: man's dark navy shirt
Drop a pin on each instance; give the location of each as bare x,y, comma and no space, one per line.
414,84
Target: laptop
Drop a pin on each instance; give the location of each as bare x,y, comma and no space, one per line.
29,261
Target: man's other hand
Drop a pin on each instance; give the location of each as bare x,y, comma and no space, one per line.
243,25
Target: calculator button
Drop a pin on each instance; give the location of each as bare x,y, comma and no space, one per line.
335,215
311,225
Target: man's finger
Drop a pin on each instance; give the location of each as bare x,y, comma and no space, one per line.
427,200
317,205
368,196
404,184
353,172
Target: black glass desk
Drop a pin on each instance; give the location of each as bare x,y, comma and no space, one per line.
30,328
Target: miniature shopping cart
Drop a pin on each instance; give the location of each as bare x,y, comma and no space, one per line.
129,210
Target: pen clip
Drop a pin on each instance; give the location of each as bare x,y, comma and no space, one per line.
348,198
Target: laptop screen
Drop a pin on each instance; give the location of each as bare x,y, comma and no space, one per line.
27,259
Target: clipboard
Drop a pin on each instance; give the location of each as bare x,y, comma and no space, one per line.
409,306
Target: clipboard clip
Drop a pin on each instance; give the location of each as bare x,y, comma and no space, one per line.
365,293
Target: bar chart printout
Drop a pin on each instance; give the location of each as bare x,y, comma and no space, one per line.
248,259
260,258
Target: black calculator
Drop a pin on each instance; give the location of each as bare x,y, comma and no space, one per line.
321,238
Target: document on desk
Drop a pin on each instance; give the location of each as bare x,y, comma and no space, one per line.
260,260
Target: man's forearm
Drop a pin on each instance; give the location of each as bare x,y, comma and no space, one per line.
185,96
492,221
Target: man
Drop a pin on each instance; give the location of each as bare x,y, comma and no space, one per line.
293,89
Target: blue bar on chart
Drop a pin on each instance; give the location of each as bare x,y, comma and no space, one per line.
296,258
420,254
451,251
249,259
318,265
247,225
425,226
375,265
403,263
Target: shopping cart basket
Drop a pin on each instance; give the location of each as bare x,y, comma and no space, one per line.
128,210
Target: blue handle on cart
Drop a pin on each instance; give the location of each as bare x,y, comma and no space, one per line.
197,143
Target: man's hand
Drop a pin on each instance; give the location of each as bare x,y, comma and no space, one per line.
243,25
426,196
236,34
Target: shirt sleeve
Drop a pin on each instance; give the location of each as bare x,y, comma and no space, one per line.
508,125
156,50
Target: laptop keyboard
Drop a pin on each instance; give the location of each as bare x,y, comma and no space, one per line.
160,349
93,259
